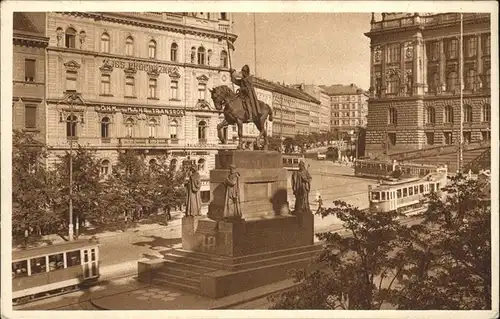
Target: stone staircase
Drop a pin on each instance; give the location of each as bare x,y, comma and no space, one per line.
183,269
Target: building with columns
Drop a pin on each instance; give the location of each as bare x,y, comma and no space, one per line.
142,81
415,86
28,103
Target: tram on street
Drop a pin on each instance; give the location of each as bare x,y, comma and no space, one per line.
405,196
383,169
42,272
291,161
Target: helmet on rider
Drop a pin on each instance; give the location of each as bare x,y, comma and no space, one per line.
245,70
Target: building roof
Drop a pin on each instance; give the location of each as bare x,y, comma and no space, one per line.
22,22
283,89
340,89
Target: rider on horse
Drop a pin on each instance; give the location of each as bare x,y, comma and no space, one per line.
247,91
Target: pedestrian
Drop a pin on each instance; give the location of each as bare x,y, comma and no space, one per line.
320,203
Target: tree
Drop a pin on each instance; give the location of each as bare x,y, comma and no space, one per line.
353,272
451,265
32,188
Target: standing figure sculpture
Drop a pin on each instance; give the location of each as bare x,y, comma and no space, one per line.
301,186
193,200
232,206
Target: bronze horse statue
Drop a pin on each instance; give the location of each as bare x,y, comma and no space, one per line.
231,105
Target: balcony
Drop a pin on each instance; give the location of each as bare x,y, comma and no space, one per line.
150,142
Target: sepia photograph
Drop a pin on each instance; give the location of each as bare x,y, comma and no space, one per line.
316,156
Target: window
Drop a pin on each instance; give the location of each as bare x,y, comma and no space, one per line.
392,138
30,116
105,168
434,50
431,115
71,77
129,46
38,265
73,258
70,38
451,81
393,84
105,42
129,86
393,115
421,188
487,79
467,136
470,79
152,88
56,262
152,128
173,163
448,114
471,46
193,54
429,138
201,164
202,89
19,269
71,126
173,52
467,113
433,81
202,131
209,56
129,126
393,53
174,85
452,49
448,138
152,49
173,129
486,113
487,44
486,135
29,70
201,55
223,59
105,127
105,84
223,16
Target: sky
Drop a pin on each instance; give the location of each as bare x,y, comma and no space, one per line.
310,48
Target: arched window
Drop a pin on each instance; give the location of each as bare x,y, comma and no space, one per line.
129,126
173,163
470,78
431,115
201,55
105,42
105,167
433,82
202,131
152,49
209,56
448,114
71,126
193,54
152,162
451,81
173,129
129,46
223,15
487,79
70,38
223,59
173,52
201,164
486,113
152,128
467,113
393,84
393,115
105,127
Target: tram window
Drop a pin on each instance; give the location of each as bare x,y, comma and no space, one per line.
383,195
73,258
432,187
399,193
20,269
421,188
427,172
405,192
408,171
284,161
38,265
296,161
92,254
375,196
437,186
56,262
410,190
415,189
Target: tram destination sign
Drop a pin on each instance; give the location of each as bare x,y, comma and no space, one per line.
141,66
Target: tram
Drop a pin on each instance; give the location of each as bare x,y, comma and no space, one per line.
406,196
383,169
291,161
42,272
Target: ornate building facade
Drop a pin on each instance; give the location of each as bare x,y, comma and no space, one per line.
415,87
29,43
142,80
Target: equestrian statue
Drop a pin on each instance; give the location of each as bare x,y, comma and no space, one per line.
241,107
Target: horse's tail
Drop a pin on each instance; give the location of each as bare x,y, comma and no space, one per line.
270,113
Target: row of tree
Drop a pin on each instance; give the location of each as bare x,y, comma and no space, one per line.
442,261
40,192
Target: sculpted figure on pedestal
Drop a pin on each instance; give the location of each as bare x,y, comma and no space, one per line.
193,200
232,207
301,186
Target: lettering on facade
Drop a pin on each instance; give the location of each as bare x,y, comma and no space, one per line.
139,110
142,66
